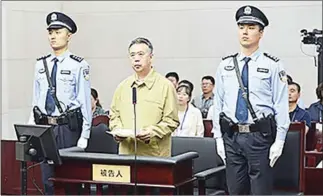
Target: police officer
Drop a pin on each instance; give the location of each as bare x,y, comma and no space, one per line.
250,146
66,103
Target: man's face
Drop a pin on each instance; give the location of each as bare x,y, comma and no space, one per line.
59,38
173,80
207,86
249,35
141,57
293,93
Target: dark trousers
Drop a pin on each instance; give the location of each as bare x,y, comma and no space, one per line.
247,163
64,139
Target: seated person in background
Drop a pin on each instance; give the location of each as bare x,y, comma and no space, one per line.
297,114
205,101
173,77
210,113
316,108
300,102
190,118
97,109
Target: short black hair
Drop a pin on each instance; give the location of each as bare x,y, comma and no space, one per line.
172,74
142,40
319,90
209,78
289,79
188,83
261,27
297,85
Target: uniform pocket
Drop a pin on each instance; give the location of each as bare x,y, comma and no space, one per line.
260,140
42,82
261,82
228,79
68,79
67,82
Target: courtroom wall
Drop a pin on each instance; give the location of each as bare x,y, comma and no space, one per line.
189,38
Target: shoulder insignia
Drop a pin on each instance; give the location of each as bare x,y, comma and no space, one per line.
282,76
233,55
43,57
77,58
271,57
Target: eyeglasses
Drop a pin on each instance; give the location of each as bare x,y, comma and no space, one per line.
206,84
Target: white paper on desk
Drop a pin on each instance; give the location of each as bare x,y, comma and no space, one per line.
123,133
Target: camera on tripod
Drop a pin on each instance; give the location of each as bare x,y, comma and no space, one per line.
314,37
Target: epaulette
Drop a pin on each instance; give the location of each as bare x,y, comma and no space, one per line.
233,55
43,57
77,58
271,57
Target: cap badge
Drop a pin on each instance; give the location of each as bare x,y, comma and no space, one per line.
247,10
53,17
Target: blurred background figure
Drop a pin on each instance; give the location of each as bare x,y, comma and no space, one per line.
97,109
173,77
190,118
300,102
316,109
297,114
205,101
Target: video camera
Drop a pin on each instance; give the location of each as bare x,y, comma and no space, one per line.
314,37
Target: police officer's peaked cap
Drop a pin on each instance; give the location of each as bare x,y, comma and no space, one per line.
58,20
251,15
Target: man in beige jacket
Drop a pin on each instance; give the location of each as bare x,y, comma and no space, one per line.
156,108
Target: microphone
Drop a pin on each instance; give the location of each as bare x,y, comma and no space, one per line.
134,102
134,95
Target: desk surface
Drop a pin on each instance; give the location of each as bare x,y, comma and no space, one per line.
76,153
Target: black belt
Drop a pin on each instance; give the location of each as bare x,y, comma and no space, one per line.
57,120
245,128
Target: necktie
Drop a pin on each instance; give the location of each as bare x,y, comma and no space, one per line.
241,108
50,103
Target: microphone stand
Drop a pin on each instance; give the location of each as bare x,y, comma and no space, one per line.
23,169
134,102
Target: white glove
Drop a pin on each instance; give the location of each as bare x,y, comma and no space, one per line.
82,142
31,120
220,148
275,151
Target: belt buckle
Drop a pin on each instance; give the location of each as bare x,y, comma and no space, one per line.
52,120
244,128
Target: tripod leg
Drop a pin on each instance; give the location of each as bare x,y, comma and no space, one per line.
320,66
